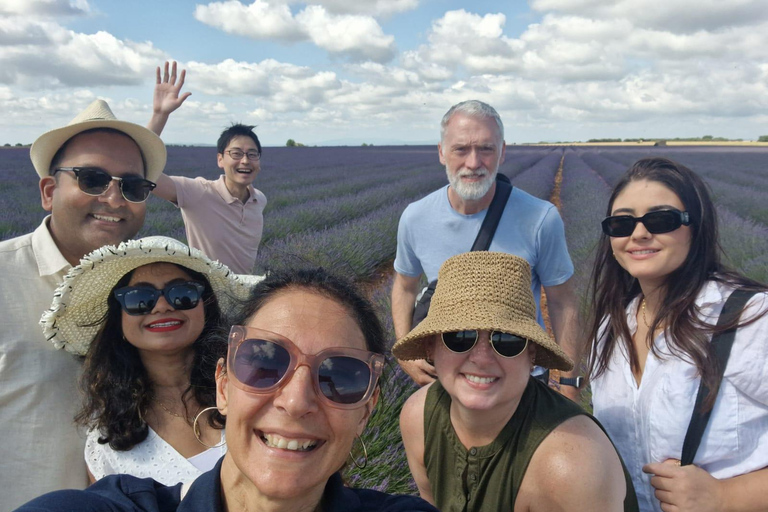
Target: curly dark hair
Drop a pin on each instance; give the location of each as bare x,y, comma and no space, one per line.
116,385
613,288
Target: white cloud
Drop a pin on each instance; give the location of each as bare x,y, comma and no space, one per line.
370,7
45,7
355,36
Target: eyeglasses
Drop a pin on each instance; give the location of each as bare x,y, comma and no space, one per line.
262,362
503,343
141,300
236,154
662,221
94,182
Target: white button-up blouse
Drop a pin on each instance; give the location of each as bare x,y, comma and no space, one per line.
647,423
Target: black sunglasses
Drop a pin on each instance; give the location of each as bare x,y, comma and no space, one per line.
263,362
94,182
503,343
662,221
141,300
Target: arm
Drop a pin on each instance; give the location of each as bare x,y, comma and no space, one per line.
404,292
690,488
166,189
412,429
575,469
166,98
563,310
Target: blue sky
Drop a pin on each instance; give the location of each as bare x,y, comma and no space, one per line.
384,71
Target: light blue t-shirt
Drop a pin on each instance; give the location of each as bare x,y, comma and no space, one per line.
431,231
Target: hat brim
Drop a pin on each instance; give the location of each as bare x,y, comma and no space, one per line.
151,146
80,303
414,344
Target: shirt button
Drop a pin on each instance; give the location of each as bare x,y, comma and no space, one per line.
473,451
473,478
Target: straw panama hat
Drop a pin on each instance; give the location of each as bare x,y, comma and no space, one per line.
488,291
99,115
80,301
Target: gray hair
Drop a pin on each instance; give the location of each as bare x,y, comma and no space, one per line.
472,108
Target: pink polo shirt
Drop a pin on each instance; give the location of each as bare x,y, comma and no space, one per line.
219,224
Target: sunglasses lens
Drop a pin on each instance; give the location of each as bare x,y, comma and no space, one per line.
662,222
344,380
459,341
93,181
508,345
261,364
136,190
182,296
619,225
139,301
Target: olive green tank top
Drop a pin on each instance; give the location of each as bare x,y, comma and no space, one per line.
487,478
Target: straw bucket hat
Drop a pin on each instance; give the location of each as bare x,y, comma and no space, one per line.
488,291
80,302
99,115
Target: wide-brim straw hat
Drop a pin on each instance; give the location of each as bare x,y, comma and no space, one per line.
488,291
99,115
79,304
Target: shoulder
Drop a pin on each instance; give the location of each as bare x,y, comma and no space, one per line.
427,202
376,501
15,244
576,463
520,197
412,414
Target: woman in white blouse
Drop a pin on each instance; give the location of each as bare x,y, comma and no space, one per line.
140,313
658,289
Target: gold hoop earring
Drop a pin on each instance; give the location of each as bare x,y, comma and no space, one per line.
196,429
365,455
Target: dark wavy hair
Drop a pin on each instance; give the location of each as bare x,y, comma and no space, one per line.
613,288
237,130
324,283
115,383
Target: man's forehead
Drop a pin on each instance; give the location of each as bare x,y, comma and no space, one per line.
465,126
241,142
111,150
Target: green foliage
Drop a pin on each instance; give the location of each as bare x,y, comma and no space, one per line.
762,138
291,143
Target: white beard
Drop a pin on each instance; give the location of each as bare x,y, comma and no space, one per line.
471,191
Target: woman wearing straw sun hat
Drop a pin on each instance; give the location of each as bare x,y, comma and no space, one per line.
485,435
140,312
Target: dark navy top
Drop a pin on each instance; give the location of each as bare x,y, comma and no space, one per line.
125,493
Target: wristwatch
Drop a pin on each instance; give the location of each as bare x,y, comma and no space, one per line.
572,381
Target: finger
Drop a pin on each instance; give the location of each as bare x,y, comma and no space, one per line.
662,483
673,462
184,96
660,469
157,75
664,496
668,507
173,73
165,72
182,77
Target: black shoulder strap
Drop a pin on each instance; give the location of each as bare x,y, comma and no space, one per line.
721,348
491,220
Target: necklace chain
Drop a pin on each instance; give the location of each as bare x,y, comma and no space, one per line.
166,409
642,309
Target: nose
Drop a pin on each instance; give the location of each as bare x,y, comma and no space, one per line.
297,398
162,305
482,351
113,196
473,160
640,231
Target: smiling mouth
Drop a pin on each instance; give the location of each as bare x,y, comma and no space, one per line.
282,443
479,380
160,325
244,171
106,218
644,251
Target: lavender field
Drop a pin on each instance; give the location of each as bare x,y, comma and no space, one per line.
339,207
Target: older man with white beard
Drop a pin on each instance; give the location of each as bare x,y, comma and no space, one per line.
446,222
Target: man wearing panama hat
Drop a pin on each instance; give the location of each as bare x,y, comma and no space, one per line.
95,174
486,435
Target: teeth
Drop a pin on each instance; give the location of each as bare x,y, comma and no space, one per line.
647,251
275,441
165,324
479,380
106,218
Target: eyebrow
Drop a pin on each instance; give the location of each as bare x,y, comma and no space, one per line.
657,208
172,281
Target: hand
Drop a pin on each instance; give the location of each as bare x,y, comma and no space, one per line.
166,98
684,488
419,370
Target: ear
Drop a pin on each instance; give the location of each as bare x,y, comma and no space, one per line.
47,186
440,152
503,152
369,406
220,160
222,380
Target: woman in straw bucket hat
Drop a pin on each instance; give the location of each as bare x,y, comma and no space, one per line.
473,435
140,313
